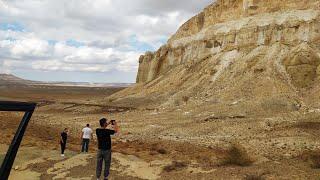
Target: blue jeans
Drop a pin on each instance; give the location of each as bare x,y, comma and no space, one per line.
85,145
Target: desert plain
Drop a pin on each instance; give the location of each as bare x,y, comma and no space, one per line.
209,142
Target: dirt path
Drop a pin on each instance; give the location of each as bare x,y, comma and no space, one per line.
49,165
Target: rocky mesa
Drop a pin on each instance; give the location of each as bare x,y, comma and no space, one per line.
257,50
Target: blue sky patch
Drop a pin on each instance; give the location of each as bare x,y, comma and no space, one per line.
12,26
138,45
163,40
52,42
74,43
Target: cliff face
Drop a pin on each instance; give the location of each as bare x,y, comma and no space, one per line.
259,50
237,66
226,10
233,24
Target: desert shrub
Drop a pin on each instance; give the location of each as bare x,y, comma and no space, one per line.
175,166
314,159
162,151
209,44
236,155
156,148
255,177
185,99
278,104
176,102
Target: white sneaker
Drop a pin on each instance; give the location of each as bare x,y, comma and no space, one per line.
62,155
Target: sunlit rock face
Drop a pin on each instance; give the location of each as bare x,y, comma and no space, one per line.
264,52
229,25
302,65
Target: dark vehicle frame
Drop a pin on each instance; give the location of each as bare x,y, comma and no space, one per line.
28,108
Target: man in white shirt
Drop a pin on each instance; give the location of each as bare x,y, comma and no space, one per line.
86,135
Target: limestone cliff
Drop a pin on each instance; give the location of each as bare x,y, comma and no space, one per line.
263,51
232,24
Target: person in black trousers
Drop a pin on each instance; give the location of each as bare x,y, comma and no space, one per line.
104,146
63,140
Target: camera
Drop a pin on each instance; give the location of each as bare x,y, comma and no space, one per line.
113,121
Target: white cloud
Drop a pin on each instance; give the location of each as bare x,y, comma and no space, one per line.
105,27
63,57
29,47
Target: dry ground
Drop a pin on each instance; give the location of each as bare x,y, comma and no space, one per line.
211,142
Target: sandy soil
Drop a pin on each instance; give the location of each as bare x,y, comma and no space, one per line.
183,143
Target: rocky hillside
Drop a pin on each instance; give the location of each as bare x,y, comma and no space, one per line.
11,79
260,54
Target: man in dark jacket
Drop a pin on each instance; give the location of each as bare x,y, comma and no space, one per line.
63,140
104,146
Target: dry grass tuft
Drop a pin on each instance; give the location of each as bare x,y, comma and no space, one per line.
185,99
162,151
313,158
255,177
315,161
156,149
237,156
175,166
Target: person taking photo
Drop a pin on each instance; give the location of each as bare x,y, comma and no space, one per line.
104,146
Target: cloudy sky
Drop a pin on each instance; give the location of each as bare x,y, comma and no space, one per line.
86,40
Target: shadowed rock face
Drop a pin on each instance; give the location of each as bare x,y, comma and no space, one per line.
145,62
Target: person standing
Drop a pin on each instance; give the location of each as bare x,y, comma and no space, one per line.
63,140
104,146
86,135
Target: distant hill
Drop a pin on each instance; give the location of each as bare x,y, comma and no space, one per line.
9,79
